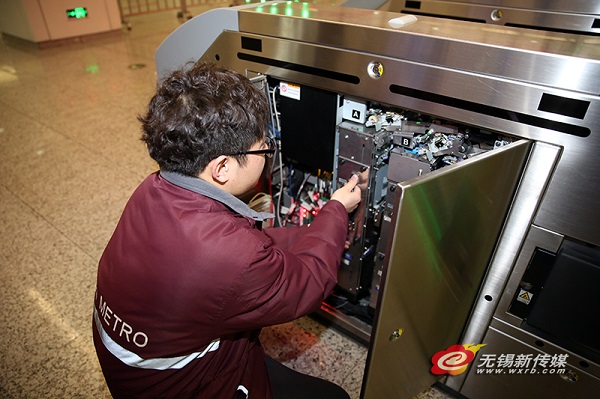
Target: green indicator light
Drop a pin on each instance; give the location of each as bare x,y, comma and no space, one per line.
305,14
78,13
93,68
259,9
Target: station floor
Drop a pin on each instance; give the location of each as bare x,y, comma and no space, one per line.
70,157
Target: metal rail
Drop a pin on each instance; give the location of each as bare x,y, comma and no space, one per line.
130,8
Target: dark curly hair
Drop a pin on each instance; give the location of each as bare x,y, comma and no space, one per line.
200,112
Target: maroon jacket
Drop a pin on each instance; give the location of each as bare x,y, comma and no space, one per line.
186,283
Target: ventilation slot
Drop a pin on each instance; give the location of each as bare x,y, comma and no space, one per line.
250,43
323,73
563,106
413,4
557,30
424,14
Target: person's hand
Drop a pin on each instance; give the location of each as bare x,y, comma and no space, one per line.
349,194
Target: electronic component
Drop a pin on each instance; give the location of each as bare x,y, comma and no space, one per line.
308,128
362,150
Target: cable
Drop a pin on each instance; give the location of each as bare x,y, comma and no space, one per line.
302,186
275,112
297,201
278,210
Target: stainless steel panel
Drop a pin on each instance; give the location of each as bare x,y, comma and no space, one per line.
534,341
509,325
523,54
437,258
478,89
568,6
537,238
568,208
575,383
536,176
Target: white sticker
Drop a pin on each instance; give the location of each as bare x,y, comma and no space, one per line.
289,90
354,111
524,296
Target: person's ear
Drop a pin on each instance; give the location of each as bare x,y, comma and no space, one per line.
220,169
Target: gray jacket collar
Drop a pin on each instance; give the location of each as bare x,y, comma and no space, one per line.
200,186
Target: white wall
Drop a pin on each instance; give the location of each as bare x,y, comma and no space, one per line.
42,20
18,17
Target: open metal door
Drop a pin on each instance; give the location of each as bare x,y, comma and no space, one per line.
445,227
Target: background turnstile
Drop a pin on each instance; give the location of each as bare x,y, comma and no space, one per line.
578,16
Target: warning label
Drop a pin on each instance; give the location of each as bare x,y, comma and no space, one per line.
524,296
289,90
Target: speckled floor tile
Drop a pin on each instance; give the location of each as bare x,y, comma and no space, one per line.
45,291
73,188
70,156
309,347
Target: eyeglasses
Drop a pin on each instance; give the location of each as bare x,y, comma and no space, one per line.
268,152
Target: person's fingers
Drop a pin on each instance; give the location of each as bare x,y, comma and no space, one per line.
352,183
